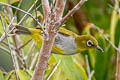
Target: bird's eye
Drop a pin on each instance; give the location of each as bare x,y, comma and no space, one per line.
89,43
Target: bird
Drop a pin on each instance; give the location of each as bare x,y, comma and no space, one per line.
66,42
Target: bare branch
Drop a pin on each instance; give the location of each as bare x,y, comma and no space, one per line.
90,74
71,12
30,50
59,9
3,37
9,45
25,44
34,61
48,40
118,65
5,43
25,13
98,29
87,64
53,70
118,9
46,8
36,11
13,54
28,12
4,49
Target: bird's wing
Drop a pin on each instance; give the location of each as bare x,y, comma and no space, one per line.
67,32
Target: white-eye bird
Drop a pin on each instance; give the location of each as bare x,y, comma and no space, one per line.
66,42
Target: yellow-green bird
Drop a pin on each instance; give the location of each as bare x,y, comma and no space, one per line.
66,42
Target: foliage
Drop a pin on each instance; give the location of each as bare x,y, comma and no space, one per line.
71,67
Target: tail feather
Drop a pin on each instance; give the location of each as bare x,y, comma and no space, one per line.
27,31
21,30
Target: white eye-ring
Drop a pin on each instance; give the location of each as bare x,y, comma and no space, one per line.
89,43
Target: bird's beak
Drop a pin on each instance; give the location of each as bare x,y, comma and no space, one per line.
99,48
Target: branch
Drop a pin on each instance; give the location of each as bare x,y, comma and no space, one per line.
117,9
46,8
80,18
33,61
71,12
25,13
25,44
4,49
48,40
98,29
28,12
118,65
13,54
59,9
90,74
9,31
53,70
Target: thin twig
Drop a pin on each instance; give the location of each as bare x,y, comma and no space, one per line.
90,74
25,13
33,61
10,46
71,12
25,44
48,41
28,12
117,4
3,37
118,65
53,70
5,43
19,23
16,38
4,49
36,11
4,34
11,51
30,50
87,64
118,9
98,29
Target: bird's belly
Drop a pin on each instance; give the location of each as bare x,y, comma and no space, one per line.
65,43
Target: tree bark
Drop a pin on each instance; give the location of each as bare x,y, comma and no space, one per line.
53,21
118,64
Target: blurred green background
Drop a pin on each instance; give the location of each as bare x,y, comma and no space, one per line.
72,67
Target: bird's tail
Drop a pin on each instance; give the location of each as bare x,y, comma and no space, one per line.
26,31
21,30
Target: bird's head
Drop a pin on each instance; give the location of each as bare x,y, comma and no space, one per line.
85,42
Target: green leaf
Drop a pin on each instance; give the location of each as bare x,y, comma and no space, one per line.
81,70
30,72
102,60
1,75
68,69
7,77
114,20
25,5
23,75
